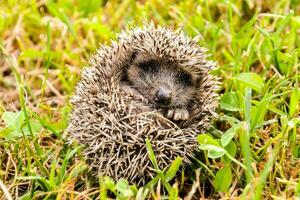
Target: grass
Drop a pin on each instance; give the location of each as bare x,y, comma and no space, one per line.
253,151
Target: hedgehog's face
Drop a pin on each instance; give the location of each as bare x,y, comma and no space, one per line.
165,86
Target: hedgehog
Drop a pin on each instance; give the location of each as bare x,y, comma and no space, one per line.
152,82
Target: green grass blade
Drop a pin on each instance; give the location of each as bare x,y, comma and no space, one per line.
171,173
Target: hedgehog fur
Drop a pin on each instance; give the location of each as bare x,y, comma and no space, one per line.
113,125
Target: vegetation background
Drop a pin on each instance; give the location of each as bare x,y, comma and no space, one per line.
253,151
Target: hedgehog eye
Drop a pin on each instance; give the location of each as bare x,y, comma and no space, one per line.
150,66
185,78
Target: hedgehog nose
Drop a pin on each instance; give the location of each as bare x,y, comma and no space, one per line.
163,96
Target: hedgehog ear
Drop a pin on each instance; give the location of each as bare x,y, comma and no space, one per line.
198,81
133,56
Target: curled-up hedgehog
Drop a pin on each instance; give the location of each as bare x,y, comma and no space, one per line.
152,83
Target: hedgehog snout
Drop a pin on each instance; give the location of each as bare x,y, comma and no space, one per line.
163,96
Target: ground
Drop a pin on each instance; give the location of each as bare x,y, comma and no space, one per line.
253,148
